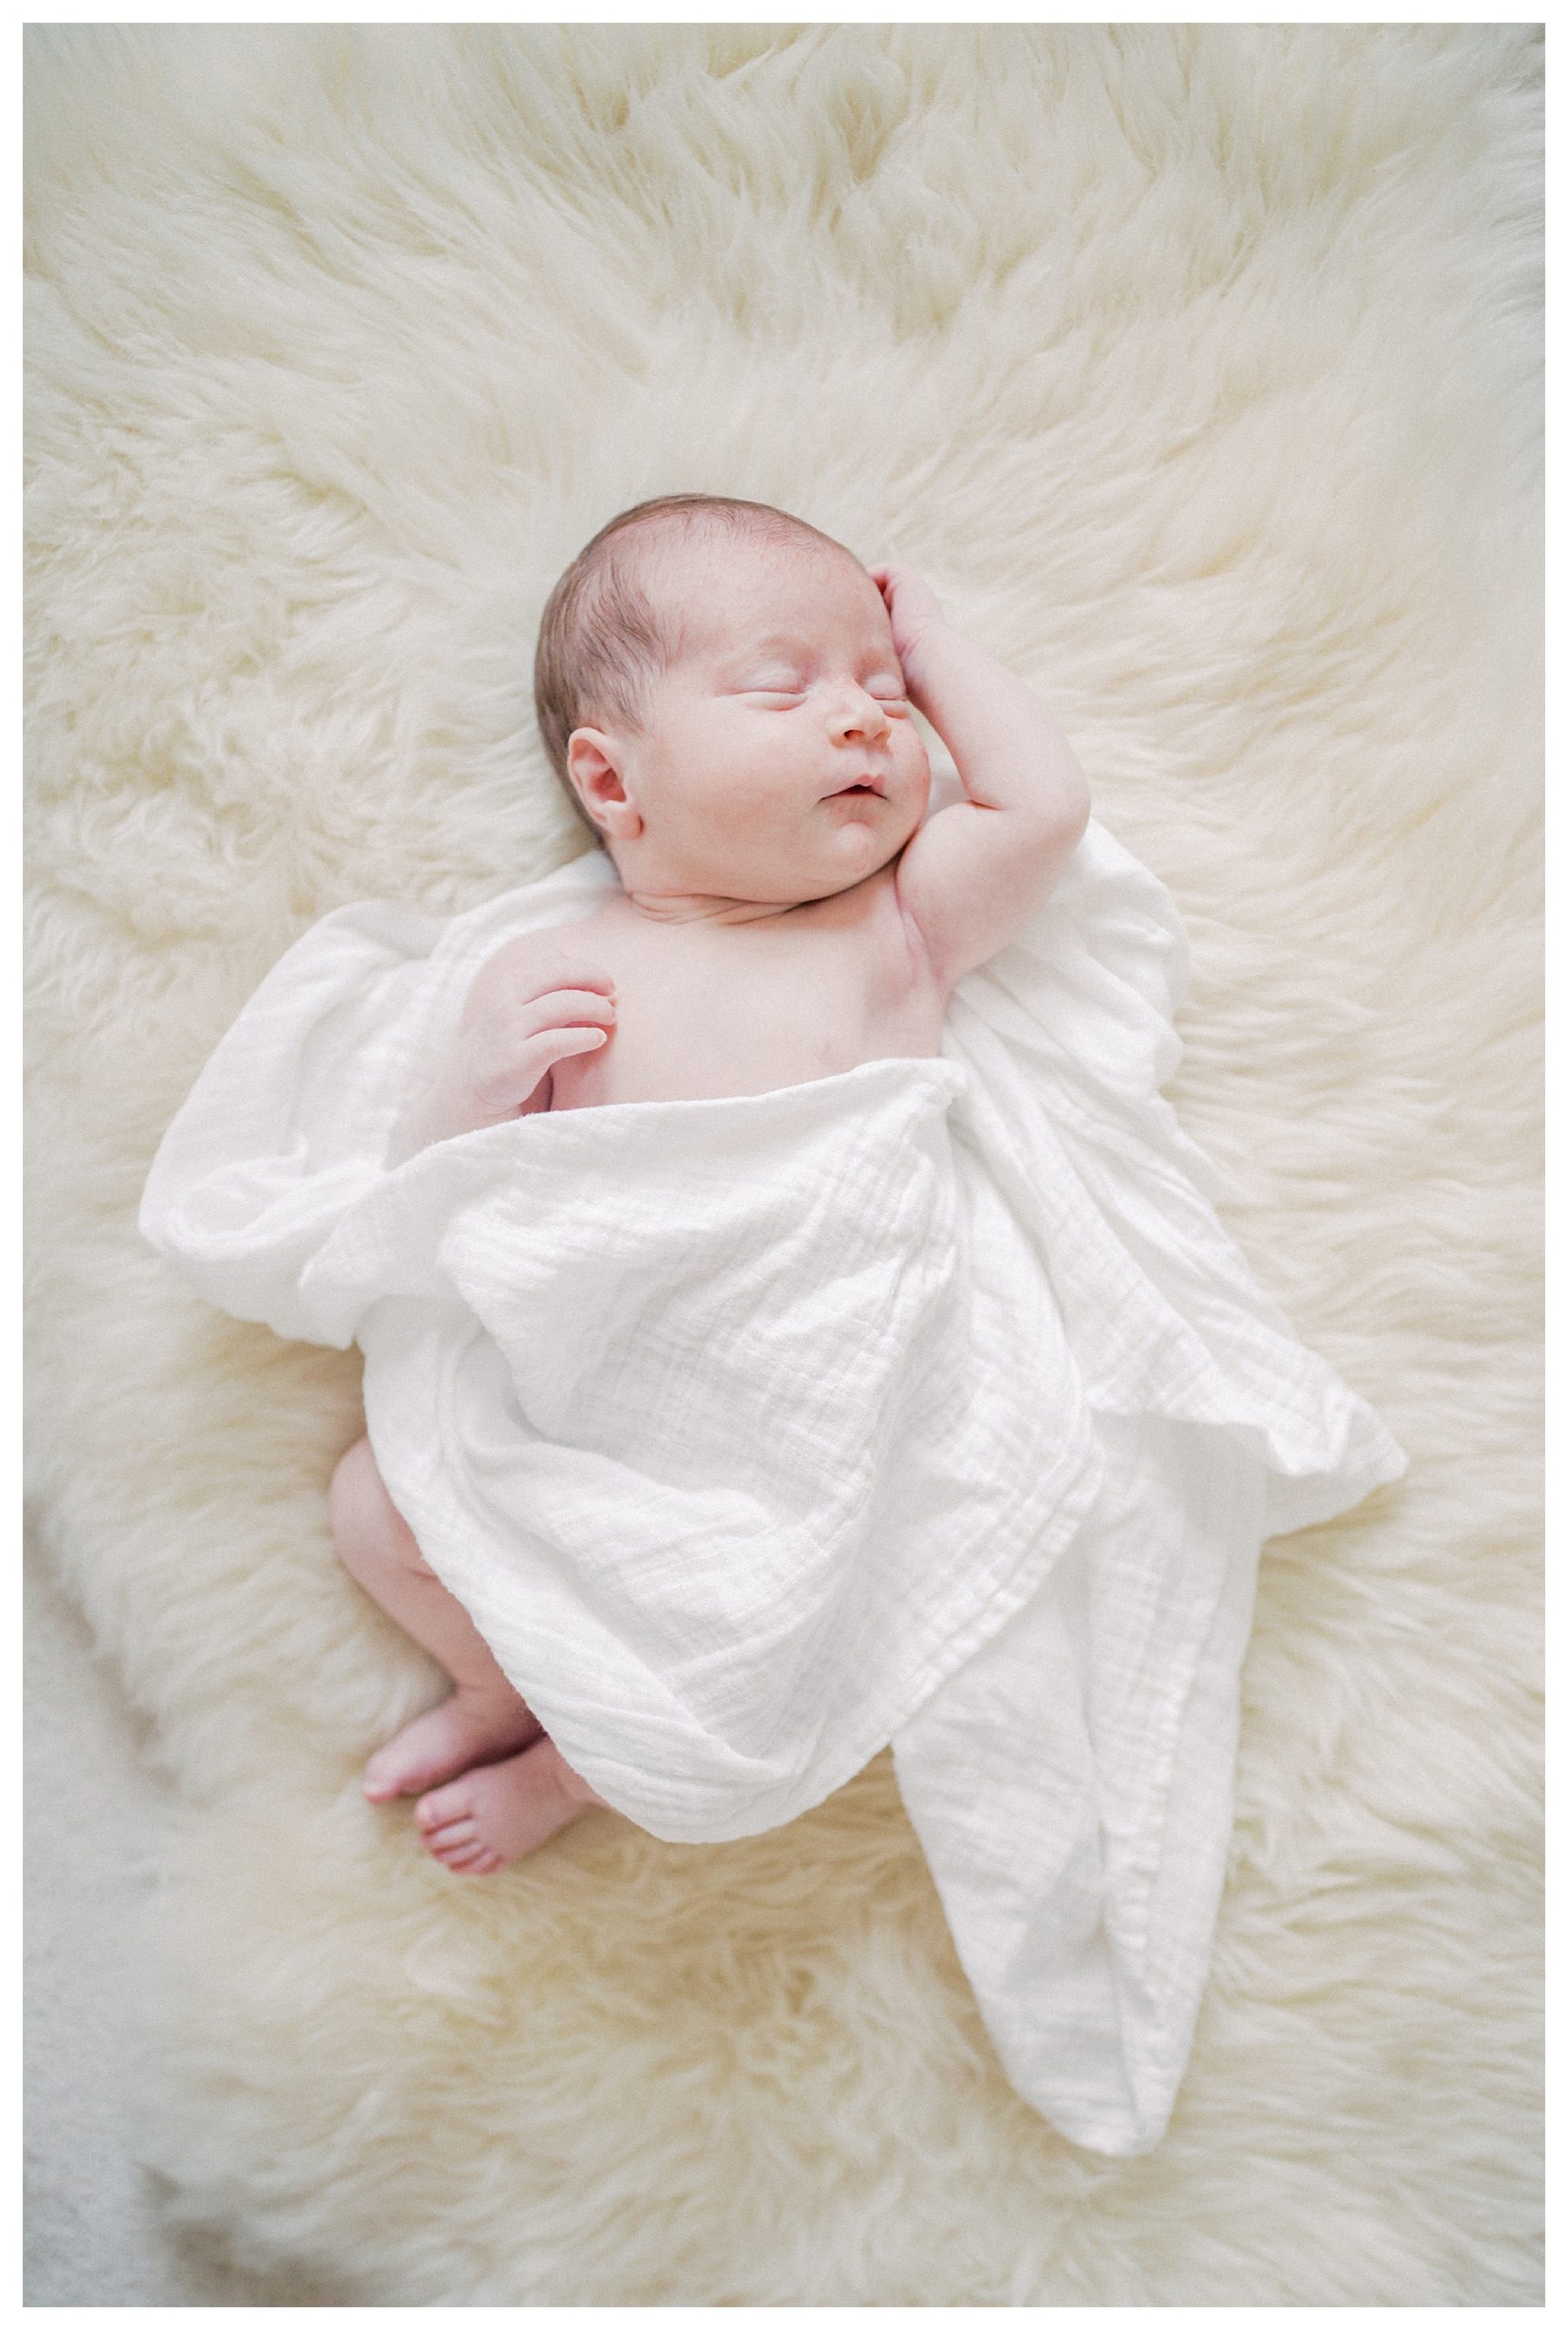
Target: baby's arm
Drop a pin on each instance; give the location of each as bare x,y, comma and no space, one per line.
532,1004
974,872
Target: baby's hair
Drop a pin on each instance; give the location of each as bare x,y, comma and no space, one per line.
602,637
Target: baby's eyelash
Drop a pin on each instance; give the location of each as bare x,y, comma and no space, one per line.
793,695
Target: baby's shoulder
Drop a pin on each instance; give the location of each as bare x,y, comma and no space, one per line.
556,956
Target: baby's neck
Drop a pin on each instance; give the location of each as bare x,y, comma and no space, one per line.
693,905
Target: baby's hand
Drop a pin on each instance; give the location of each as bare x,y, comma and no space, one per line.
531,1006
912,607
523,1016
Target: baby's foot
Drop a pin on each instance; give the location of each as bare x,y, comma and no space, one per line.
468,1728
500,1811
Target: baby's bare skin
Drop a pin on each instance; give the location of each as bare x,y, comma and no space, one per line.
774,926
706,1010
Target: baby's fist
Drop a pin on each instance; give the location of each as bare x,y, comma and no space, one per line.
912,607
525,1015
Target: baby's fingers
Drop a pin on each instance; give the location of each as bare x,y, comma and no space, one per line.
559,974
562,1007
508,1068
560,1043
521,1020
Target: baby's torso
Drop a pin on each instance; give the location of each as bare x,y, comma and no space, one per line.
708,1011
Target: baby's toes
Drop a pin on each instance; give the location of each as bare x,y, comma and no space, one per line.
458,1839
453,1835
458,1857
443,1807
459,1847
451,1855
476,1861
480,1862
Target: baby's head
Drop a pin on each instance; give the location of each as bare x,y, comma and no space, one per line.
712,676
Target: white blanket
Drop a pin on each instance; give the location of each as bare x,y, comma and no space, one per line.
928,1402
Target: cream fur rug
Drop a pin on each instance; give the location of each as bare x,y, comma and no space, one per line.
1197,368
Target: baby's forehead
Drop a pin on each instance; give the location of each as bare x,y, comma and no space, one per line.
708,562
743,594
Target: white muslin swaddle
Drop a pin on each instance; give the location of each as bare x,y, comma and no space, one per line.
926,1403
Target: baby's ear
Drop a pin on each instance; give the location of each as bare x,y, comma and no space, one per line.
591,761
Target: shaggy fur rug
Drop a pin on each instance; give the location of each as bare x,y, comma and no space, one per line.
1197,366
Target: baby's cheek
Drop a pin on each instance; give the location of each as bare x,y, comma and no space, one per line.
773,778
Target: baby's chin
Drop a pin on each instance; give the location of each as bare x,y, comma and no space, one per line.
857,851
837,856
869,829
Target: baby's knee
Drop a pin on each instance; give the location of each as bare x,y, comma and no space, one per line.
368,1530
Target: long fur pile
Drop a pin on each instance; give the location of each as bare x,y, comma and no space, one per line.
1196,367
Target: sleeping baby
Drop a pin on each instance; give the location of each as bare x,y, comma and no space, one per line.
795,1324
728,693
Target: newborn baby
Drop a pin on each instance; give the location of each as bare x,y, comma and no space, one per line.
795,1324
728,694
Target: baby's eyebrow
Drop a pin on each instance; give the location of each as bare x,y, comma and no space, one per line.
775,643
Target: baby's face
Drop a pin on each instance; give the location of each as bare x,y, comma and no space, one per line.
778,758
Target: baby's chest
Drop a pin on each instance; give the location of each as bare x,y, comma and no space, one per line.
711,1012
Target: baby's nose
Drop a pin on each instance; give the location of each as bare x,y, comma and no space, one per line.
859,714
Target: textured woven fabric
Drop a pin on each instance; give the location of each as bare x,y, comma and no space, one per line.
928,1403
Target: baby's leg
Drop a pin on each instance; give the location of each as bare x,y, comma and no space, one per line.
484,1718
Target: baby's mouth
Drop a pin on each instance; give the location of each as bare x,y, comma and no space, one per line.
866,785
